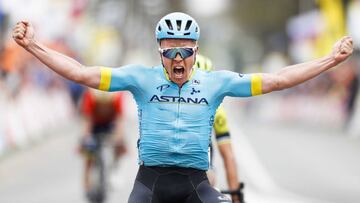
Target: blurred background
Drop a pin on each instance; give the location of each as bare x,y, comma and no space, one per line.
298,145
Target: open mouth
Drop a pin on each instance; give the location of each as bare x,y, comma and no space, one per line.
178,71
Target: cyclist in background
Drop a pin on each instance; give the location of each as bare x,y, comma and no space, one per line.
102,112
223,141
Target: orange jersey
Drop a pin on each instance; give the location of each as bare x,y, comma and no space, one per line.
102,109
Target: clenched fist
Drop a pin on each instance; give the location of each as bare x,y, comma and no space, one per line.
23,33
342,49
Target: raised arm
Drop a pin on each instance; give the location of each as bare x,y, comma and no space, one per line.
23,34
293,75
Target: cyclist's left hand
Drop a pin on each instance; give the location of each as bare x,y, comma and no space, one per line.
342,49
235,199
120,148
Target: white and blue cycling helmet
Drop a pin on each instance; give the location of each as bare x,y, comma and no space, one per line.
177,26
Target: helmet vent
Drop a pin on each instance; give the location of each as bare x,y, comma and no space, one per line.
159,28
170,33
168,23
188,33
178,25
196,30
188,24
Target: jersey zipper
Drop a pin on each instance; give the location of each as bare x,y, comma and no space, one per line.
178,116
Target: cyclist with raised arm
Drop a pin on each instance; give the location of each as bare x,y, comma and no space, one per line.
223,141
103,120
176,104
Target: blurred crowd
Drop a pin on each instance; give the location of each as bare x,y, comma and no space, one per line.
34,100
329,100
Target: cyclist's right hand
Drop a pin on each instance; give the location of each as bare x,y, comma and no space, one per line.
23,33
88,144
237,195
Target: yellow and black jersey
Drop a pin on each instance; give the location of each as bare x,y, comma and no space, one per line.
221,129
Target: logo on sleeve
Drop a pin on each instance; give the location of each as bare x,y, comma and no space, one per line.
241,75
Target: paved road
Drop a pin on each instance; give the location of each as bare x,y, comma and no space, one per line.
50,171
310,162
314,162
278,163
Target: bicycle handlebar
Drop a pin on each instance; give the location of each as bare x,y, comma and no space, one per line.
237,192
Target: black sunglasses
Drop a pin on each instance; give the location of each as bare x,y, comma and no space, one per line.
171,53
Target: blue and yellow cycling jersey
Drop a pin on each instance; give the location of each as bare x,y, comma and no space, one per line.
175,123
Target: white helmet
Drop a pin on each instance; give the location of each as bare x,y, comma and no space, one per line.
177,26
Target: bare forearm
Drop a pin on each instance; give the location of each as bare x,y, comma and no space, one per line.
230,165
296,74
63,65
299,73
231,174
119,128
87,126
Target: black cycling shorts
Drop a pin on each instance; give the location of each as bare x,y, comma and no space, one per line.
174,185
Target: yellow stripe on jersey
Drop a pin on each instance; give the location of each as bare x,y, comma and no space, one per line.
256,84
105,79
